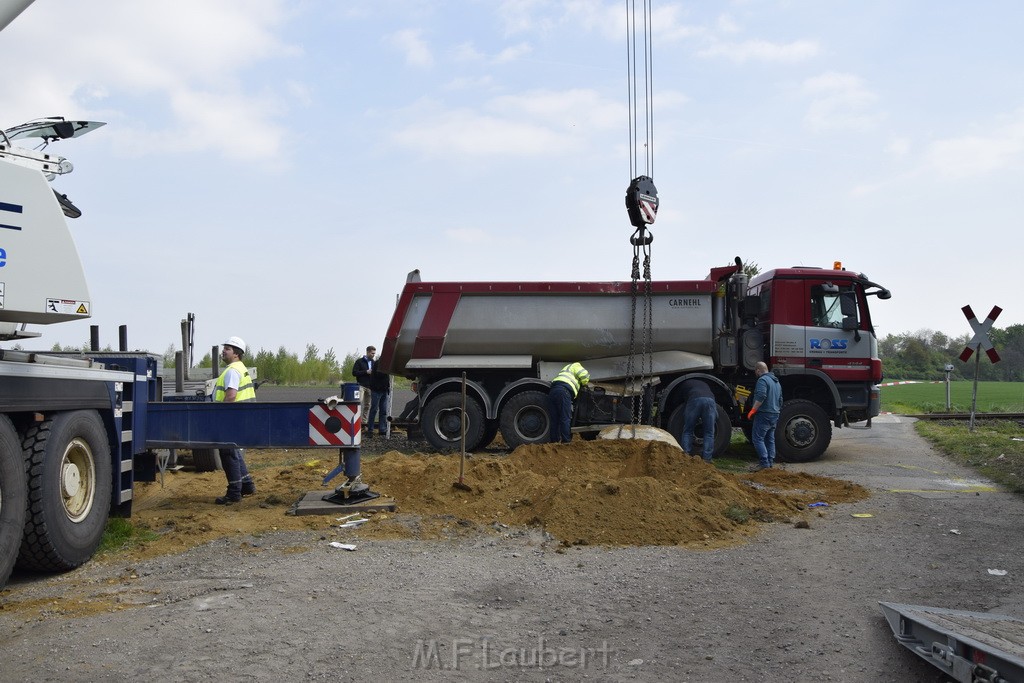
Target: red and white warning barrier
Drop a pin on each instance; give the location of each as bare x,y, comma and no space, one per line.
334,426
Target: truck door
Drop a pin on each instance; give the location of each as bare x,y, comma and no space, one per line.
838,339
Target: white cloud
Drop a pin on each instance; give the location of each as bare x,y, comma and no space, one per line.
519,16
899,147
481,83
762,51
531,124
464,132
467,235
410,42
726,24
978,154
467,52
510,54
839,102
168,55
560,108
609,20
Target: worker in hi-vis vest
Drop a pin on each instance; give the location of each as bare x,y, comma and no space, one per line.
565,387
234,385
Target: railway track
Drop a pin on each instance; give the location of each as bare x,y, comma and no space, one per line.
967,416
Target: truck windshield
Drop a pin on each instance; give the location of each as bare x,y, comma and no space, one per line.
827,305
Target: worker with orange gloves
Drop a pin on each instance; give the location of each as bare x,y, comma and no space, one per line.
564,389
765,414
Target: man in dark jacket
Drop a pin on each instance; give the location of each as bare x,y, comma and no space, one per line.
363,370
380,389
700,405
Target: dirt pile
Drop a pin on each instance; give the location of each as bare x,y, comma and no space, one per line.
604,492
600,492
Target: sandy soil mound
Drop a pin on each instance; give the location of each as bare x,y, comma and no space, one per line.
605,492
600,492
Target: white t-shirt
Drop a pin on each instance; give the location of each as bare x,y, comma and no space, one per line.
232,378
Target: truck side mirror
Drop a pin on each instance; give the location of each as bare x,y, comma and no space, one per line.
847,304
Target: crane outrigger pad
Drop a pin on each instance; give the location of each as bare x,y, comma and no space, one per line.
315,503
966,646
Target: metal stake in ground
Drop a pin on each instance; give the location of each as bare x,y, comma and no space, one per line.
460,484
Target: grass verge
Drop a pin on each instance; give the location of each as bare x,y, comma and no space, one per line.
995,449
121,534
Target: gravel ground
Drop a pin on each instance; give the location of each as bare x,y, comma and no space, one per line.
792,605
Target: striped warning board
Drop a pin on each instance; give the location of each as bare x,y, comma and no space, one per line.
980,340
335,426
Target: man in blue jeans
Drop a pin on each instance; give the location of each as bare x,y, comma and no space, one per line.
700,405
564,389
765,413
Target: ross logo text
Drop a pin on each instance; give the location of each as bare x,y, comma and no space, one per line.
826,344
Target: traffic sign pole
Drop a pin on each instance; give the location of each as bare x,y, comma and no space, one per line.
979,341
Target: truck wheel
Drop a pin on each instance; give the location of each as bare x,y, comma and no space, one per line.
490,431
442,422
69,482
803,433
13,497
723,430
206,459
524,419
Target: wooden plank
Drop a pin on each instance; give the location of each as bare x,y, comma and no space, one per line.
313,503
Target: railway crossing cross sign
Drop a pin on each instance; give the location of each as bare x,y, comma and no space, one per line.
980,340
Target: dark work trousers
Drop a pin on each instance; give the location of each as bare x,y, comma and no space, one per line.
233,462
560,412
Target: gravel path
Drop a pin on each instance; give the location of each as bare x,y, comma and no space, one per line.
792,605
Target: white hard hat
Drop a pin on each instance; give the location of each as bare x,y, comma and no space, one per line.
237,342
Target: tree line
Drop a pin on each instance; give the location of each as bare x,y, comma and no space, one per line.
923,355
283,367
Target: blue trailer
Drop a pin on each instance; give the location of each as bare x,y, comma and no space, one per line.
76,433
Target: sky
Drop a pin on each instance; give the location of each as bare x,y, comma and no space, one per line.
278,167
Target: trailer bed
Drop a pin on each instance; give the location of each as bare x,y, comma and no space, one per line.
966,646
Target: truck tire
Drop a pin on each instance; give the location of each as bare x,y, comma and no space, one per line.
442,423
13,497
490,431
803,433
69,482
206,459
524,419
723,430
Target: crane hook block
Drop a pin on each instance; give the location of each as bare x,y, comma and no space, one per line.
641,201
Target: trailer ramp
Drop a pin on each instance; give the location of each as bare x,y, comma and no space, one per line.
967,646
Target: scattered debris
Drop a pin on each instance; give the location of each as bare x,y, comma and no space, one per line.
353,523
342,546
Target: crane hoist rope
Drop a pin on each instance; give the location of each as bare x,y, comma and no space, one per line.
642,208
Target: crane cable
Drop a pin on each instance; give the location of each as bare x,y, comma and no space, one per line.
642,207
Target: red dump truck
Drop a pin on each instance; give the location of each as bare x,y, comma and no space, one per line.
811,325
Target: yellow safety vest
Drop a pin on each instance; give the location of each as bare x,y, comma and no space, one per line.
246,392
575,375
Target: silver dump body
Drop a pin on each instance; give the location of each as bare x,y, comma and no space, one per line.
553,322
